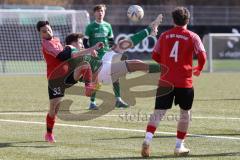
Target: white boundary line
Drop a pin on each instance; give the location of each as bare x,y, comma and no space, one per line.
218,118
116,129
109,115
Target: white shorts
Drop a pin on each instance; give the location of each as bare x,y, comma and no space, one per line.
112,68
111,72
112,57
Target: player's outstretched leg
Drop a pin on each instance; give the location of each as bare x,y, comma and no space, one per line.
138,65
120,69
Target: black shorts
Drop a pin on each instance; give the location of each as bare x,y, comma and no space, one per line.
56,88
181,96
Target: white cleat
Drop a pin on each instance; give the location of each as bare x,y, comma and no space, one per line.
154,25
182,151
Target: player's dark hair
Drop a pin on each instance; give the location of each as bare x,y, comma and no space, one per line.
41,24
181,16
99,6
73,37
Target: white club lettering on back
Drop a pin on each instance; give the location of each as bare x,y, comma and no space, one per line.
177,36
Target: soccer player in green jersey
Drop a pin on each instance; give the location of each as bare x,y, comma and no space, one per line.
110,68
101,31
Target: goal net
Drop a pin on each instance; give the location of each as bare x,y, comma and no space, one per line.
20,43
223,51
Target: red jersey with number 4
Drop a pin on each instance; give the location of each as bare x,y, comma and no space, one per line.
175,49
55,67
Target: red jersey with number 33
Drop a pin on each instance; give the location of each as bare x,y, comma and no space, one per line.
175,49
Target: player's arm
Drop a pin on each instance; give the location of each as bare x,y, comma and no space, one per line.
67,52
89,51
156,51
85,42
86,37
201,55
110,37
111,42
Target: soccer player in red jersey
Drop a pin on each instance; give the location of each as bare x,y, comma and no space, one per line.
59,73
175,50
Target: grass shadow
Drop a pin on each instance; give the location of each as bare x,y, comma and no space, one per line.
227,154
24,144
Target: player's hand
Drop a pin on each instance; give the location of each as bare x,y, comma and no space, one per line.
94,53
99,45
196,71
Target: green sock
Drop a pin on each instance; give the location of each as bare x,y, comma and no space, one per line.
139,36
154,68
93,97
116,89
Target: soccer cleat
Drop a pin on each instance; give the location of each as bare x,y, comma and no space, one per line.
154,25
93,106
145,150
49,137
121,104
182,151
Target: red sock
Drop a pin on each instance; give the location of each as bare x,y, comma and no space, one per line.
181,135
151,129
50,123
86,73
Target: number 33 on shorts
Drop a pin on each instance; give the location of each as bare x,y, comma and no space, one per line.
57,91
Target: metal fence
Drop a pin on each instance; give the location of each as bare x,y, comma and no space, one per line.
200,15
117,14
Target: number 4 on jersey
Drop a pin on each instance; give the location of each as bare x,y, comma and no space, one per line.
174,51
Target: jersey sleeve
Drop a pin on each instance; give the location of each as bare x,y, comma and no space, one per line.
199,51
156,51
88,32
110,35
52,48
198,45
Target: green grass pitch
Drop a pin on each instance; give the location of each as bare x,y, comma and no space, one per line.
33,67
119,133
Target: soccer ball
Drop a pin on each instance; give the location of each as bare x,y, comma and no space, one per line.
135,13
